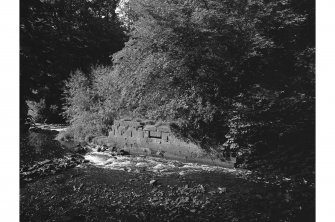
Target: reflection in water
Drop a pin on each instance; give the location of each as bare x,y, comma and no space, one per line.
36,146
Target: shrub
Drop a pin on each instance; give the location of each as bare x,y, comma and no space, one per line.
91,102
65,135
40,112
229,72
88,138
233,75
37,111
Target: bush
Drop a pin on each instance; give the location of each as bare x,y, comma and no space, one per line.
88,138
40,112
65,135
234,75
278,137
91,102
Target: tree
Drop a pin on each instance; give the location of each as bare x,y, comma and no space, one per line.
232,73
91,103
58,37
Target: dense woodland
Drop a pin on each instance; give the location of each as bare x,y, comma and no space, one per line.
58,37
235,76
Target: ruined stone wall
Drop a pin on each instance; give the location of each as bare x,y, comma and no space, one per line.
137,138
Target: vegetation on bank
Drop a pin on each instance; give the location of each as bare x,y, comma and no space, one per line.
237,76
234,75
56,38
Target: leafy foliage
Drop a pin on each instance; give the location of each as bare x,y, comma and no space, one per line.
91,103
39,112
59,36
237,76
201,55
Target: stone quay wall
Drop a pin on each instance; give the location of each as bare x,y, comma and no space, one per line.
138,138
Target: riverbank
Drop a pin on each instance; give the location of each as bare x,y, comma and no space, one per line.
98,185
90,193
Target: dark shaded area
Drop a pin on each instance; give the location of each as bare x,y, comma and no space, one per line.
37,145
56,38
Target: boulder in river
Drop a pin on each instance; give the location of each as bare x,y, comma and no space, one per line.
153,182
124,153
104,148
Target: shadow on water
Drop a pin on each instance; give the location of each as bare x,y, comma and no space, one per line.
37,145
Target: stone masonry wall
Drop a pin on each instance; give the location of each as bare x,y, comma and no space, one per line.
137,138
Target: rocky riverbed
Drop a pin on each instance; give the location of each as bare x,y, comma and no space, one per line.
93,183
